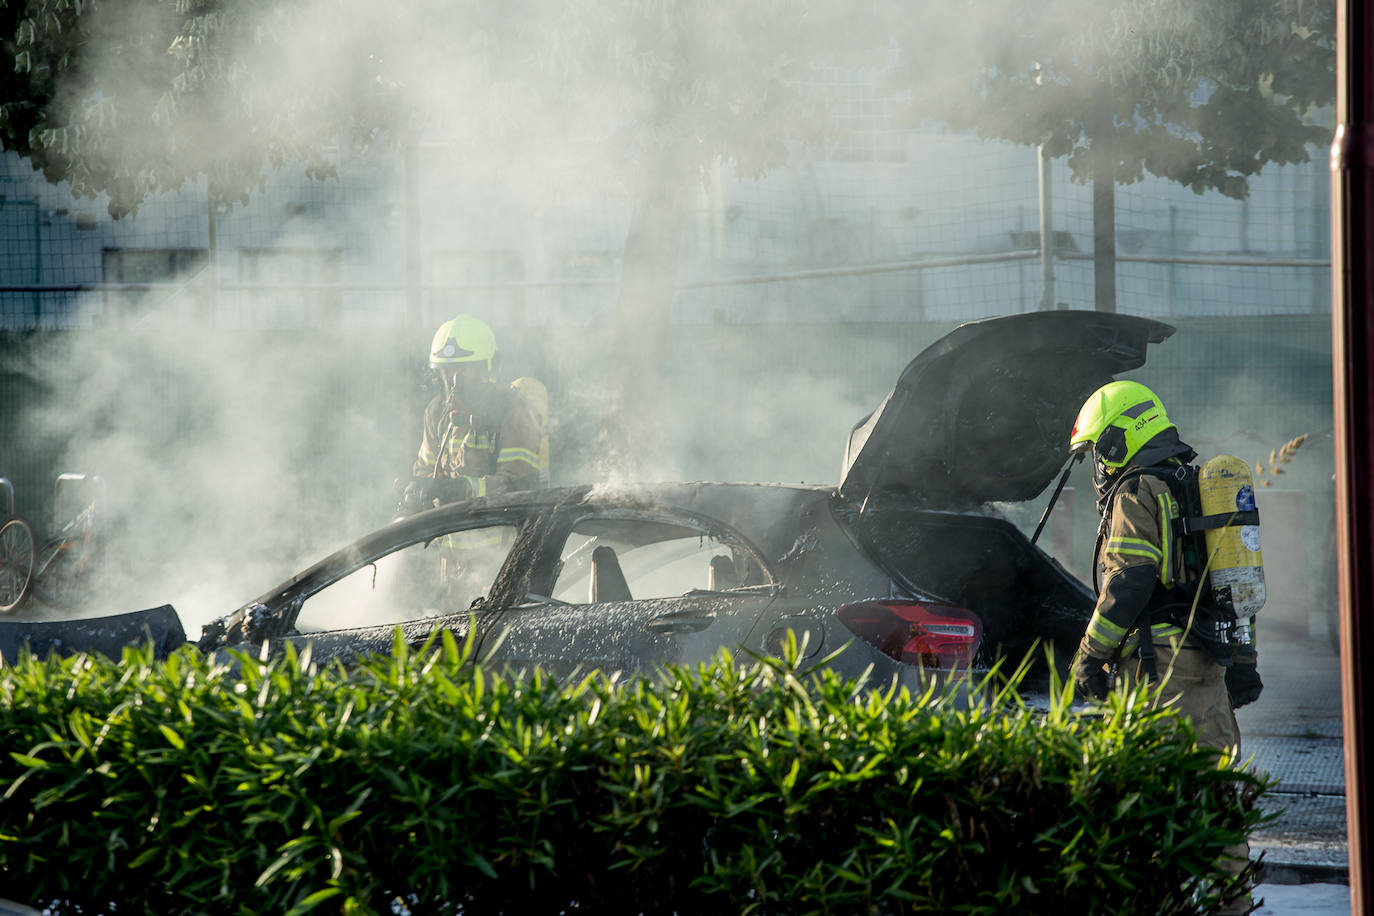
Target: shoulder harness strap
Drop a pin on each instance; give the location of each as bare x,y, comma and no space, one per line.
1220,520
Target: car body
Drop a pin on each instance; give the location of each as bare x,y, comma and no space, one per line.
627,579
901,568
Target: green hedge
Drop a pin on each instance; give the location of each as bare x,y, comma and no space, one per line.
420,783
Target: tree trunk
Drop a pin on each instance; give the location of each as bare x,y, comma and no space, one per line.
1104,242
1104,205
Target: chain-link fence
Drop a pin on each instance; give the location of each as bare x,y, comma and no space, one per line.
940,228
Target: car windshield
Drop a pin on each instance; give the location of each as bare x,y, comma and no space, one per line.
620,559
445,575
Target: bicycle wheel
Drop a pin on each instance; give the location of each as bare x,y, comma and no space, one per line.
16,563
59,572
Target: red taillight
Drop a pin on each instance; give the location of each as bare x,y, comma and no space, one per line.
930,635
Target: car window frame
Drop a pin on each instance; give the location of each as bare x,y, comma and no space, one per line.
544,578
340,564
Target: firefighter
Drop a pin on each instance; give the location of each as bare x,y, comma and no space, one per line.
480,437
1147,575
534,391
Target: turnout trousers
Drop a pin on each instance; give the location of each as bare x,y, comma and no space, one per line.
1196,686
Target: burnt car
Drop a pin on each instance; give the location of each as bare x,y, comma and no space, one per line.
902,566
905,566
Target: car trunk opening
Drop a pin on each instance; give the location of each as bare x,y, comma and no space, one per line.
985,564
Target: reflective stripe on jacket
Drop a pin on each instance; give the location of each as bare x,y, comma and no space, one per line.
1137,555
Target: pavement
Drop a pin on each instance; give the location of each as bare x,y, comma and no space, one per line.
1303,900
1294,734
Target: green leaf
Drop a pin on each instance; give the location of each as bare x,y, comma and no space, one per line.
172,737
481,863
1125,804
314,900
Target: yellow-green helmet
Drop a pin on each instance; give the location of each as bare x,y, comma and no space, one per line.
1116,421
462,339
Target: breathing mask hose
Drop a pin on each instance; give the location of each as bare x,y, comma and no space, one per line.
451,417
443,448
1063,479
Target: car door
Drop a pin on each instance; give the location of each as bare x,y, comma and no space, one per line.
632,591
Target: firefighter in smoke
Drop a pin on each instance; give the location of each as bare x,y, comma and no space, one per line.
481,438
1158,617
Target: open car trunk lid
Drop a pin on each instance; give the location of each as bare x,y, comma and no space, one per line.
985,413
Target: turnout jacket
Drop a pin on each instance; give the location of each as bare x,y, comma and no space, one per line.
493,442
1138,571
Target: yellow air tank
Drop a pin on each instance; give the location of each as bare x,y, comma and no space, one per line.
1226,486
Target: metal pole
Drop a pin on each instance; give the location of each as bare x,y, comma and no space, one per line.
414,295
212,264
37,263
1352,330
1173,249
1047,239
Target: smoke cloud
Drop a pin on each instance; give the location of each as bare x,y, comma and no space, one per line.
241,448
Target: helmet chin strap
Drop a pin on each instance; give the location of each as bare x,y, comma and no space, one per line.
1063,479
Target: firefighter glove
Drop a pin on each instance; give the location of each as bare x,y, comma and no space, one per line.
1242,678
417,496
449,489
1091,677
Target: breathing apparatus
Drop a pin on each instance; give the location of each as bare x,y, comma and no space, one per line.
1124,424
1229,522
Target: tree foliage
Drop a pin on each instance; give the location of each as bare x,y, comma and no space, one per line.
1200,92
133,98
136,97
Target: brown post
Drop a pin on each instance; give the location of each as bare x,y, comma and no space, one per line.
1104,243
1352,330
1104,205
